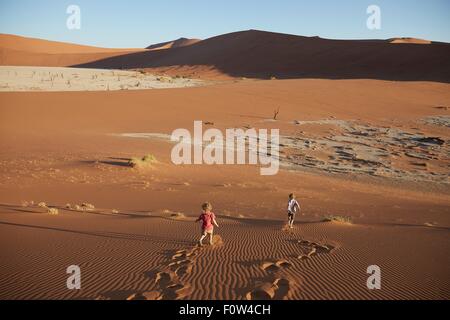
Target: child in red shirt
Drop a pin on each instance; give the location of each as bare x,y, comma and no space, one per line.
208,219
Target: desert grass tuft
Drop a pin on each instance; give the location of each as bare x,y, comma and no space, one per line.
52,211
177,215
42,205
87,207
341,219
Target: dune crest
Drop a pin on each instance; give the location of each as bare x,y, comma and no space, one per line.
409,40
269,55
181,42
25,51
249,54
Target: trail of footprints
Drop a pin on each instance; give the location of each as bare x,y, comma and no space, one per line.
168,280
310,249
170,286
275,285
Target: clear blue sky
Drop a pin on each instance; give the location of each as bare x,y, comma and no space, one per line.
138,23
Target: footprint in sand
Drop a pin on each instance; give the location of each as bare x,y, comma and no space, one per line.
277,289
170,287
151,295
274,286
176,291
181,267
184,253
310,249
168,280
276,266
164,278
181,271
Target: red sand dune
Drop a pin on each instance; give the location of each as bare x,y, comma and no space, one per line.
256,54
265,54
181,42
23,51
57,148
139,240
409,40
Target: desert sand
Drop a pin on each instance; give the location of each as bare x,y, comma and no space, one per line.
266,55
410,40
24,51
181,42
367,158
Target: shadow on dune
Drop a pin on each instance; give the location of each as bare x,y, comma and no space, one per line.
262,55
252,221
120,162
117,294
110,235
116,163
21,210
265,222
413,226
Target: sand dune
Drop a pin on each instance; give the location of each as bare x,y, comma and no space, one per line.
138,242
252,54
181,42
13,42
368,160
134,256
265,55
24,51
409,40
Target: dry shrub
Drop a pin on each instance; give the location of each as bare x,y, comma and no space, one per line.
52,211
177,215
340,219
145,161
87,207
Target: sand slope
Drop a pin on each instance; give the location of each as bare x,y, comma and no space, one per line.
181,42
13,42
24,51
250,53
265,54
409,40
138,242
137,256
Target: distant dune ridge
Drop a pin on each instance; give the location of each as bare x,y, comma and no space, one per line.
181,42
23,51
18,43
409,40
253,54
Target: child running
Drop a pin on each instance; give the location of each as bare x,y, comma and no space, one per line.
292,210
208,219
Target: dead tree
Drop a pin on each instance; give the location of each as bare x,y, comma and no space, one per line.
275,113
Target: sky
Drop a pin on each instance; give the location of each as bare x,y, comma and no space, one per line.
139,23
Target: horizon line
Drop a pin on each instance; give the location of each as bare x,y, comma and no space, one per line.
239,31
